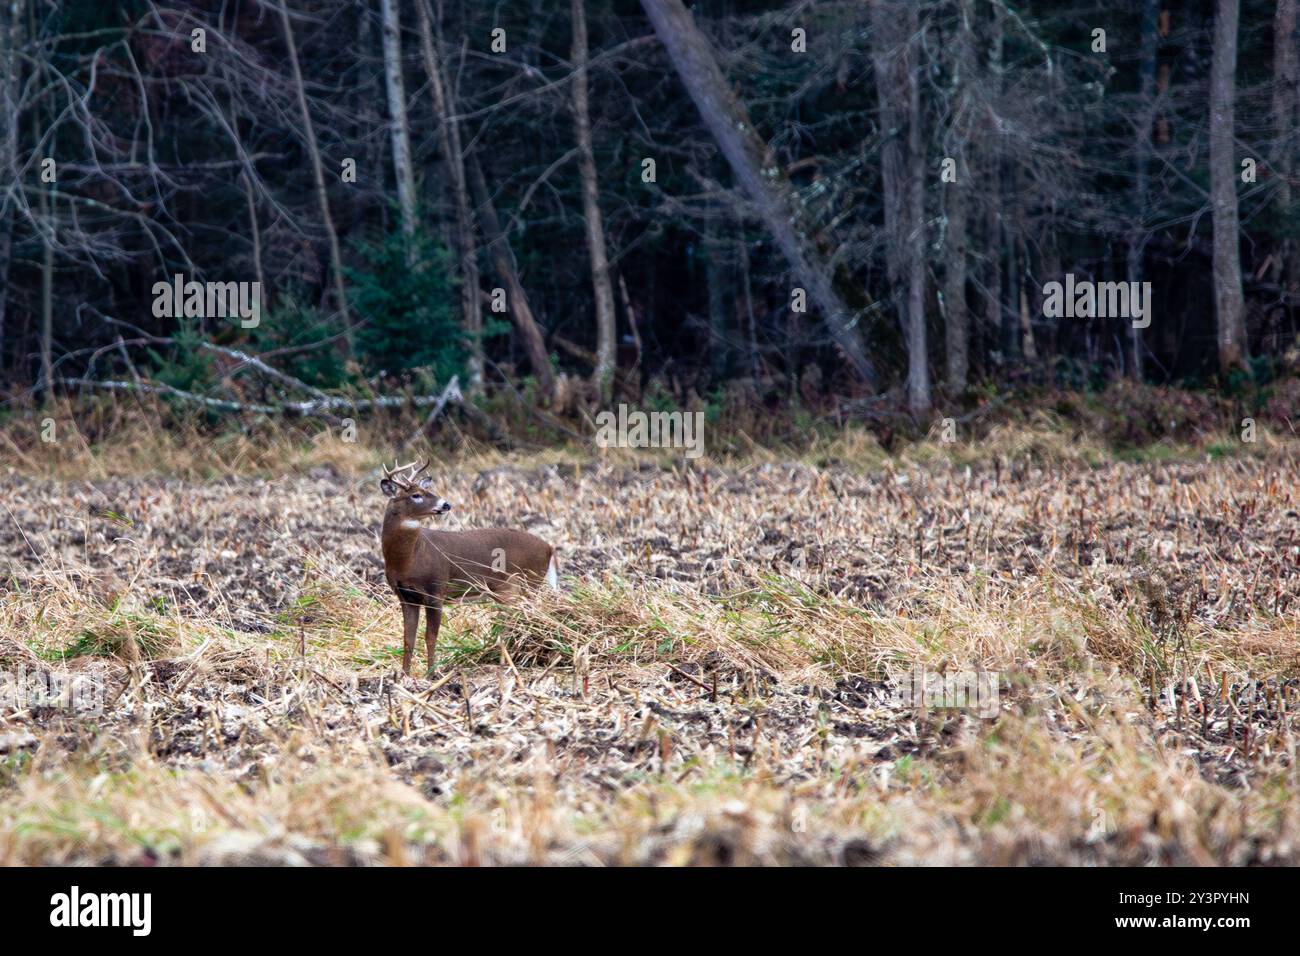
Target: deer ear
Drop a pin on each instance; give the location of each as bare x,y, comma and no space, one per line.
388,488
426,484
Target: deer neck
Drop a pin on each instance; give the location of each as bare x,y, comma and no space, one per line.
400,537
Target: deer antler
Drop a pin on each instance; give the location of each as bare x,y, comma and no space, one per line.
399,474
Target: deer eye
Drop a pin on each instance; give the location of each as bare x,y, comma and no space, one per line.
416,499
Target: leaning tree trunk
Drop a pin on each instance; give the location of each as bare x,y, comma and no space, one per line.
606,356
450,143
318,172
1228,300
400,130
503,260
765,183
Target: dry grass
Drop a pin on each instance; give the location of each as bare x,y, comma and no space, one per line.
712,687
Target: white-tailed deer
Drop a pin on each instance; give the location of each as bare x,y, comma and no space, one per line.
425,567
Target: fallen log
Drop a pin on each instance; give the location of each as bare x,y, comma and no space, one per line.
322,406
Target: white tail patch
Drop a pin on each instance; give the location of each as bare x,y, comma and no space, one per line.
552,575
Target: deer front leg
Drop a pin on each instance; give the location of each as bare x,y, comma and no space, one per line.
410,624
432,622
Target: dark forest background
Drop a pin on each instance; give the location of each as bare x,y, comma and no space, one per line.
505,227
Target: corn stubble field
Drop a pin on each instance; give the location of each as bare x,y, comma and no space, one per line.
712,686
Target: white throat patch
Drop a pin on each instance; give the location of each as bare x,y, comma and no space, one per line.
410,524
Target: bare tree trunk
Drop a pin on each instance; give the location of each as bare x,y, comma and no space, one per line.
399,129
6,253
606,346
318,172
1028,347
893,57
996,328
449,142
11,19
45,212
1141,188
368,92
1051,246
956,319
1027,344
256,235
632,375
1011,301
751,320
918,366
994,313
767,187
503,260
888,34
47,289
1286,100
1223,190
716,275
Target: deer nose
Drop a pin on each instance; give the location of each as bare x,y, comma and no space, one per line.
443,507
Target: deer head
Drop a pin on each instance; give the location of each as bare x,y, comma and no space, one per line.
411,497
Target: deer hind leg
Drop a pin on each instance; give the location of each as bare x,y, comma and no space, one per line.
508,589
432,623
410,624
